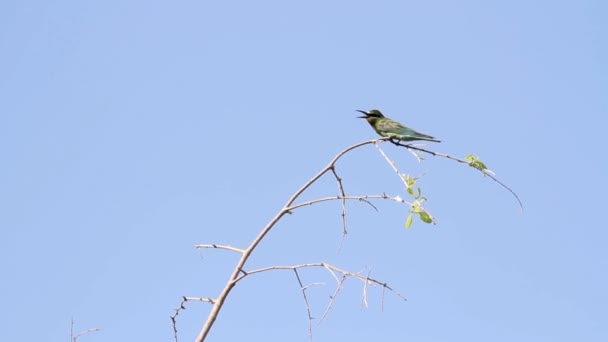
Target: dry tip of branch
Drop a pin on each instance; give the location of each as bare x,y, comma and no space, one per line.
216,246
74,338
334,295
84,332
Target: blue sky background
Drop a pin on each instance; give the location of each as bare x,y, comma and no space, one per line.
132,130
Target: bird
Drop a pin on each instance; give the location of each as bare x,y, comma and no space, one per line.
392,129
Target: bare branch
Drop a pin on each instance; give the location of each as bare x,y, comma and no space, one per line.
182,306
74,338
219,303
363,198
334,295
226,247
332,273
84,332
366,279
327,266
174,316
295,270
343,195
200,299
391,163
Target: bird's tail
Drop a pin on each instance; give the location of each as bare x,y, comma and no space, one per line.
426,137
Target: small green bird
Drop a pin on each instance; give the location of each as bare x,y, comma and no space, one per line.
391,128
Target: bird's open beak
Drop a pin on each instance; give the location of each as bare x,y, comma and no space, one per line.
362,111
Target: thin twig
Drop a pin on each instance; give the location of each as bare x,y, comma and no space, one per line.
200,299
364,198
438,154
343,195
332,273
364,279
333,296
74,338
391,163
182,306
174,316
226,247
367,280
84,332
324,265
295,270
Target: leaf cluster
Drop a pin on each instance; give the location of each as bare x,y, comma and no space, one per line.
416,207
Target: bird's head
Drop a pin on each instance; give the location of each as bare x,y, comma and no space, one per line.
372,113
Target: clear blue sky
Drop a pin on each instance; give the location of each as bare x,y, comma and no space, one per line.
132,130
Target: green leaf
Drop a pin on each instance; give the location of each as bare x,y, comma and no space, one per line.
410,191
425,217
479,165
475,162
408,221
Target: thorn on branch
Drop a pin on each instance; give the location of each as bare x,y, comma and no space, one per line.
370,203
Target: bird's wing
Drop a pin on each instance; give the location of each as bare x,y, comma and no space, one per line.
392,126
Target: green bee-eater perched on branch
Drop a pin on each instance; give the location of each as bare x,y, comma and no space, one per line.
391,128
